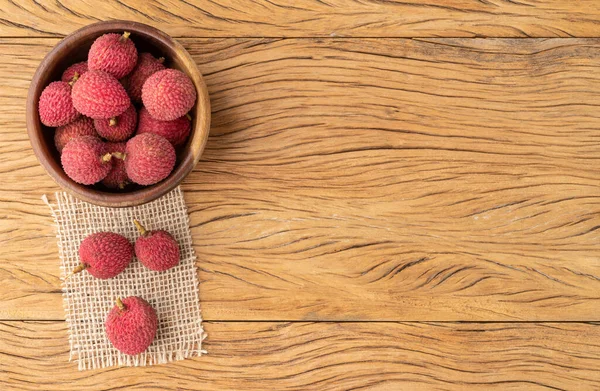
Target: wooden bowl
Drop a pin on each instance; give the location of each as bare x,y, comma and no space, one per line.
74,48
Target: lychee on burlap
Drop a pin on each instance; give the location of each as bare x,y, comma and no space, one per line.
87,300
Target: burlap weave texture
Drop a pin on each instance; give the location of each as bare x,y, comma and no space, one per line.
87,300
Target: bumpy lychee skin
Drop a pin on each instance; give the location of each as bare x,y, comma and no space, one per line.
104,254
99,95
176,131
131,325
118,128
149,158
113,53
83,126
86,160
147,65
157,250
78,68
168,94
117,177
56,106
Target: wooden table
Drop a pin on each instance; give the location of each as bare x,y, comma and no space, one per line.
396,195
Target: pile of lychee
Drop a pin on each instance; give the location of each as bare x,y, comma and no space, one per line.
132,323
119,116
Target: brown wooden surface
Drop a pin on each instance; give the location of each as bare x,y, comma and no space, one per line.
312,18
370,180
329,356
348,181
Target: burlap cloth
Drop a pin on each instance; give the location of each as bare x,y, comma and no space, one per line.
87,300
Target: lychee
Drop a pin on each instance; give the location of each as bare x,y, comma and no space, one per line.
82,126
56,106
131,325
149,158
146,66
118,128
176,131
99,95
104,254
168,94
78,68
157,250
113,53
86,160
117,177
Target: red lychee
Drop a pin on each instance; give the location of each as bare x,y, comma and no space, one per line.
78,68
86,160
131,325
157,250
99,95
56,106
104,254
146,66
82,126
168,94
149,158
117,177
113,53
176,131
118,128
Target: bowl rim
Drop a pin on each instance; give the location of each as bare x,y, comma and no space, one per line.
202,118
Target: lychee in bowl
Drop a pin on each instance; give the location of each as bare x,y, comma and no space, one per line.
74,48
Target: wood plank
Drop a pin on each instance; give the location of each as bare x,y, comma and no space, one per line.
312,18
445,179
328,356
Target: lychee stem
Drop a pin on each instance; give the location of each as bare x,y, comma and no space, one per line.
188,116
81,267
119,155
140,228
74,79
125,36
161,59
113,121
120,304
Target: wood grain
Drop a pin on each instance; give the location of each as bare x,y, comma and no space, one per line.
371,179
312,18
328,356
